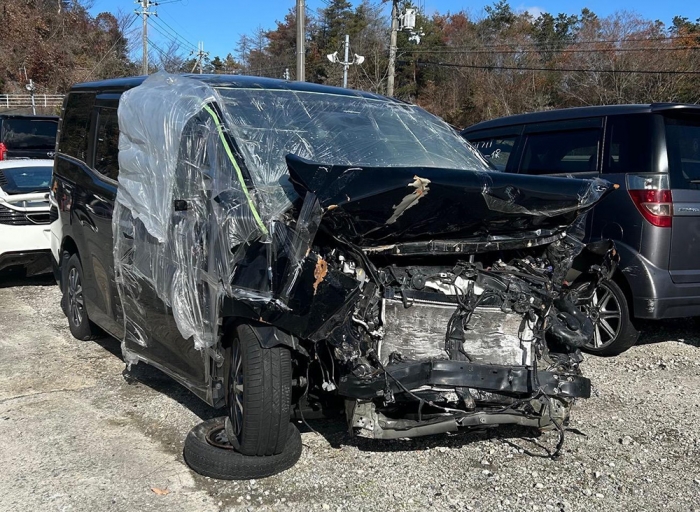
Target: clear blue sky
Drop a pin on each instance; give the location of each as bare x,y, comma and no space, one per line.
219,23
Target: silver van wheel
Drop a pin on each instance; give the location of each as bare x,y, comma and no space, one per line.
605,312
608,308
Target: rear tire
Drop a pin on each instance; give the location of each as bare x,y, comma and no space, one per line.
259,394
614,331
225,463
73,300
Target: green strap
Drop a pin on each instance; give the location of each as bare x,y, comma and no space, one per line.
220,128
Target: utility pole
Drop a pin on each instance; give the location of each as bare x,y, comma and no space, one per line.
145,13
357,59
201,55
392,47
301,41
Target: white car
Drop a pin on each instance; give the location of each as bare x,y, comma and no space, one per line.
25,235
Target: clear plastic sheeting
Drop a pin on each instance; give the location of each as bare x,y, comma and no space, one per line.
204,189
184,213
335,129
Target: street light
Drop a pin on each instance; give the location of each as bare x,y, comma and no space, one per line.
357,60
30,87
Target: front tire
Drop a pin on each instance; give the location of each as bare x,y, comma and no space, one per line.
259,394
614,331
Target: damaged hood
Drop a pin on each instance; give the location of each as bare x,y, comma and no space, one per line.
371,206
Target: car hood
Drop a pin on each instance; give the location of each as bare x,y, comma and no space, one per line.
373,206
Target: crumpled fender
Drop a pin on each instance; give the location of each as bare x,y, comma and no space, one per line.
270,336
568,325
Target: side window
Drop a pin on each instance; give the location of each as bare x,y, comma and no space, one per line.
568,152
630,144
496,150
107,144
683,146
75,126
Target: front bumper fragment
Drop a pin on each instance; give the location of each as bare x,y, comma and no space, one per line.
512,380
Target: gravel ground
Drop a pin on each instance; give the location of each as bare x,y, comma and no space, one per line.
79,433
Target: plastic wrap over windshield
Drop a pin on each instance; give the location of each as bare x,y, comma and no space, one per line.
336,129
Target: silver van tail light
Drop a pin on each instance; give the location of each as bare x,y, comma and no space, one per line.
652,196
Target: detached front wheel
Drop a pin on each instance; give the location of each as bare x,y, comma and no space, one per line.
614,331
259,395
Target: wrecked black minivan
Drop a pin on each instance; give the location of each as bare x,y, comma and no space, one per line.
271,244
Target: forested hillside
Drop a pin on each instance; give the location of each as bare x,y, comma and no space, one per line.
465,68
58,43
468,68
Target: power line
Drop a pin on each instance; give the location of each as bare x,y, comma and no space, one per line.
561,50
172,36
158,48
185,32
555,70
589,41
171,39
175,33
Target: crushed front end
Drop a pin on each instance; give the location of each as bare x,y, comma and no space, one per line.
446,333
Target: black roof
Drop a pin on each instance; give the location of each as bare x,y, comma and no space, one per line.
232,81
28,116
577,113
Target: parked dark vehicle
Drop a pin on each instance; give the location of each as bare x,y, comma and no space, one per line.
23,136
276,246
652,152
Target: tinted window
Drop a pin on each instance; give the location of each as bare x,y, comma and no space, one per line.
561,152
22,133
24,180
630,147
107,147
76,125
496,150
683,145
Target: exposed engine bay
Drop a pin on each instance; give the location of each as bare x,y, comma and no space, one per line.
487,340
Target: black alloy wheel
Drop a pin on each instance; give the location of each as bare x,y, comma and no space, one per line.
73,300
236,392
76,303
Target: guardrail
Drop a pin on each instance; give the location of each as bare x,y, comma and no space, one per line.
25,100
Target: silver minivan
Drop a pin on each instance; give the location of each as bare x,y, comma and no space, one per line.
652,152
